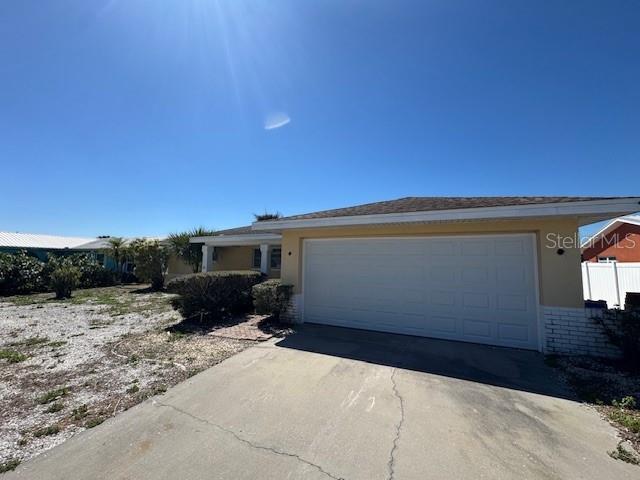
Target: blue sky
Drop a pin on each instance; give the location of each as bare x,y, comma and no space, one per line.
145,117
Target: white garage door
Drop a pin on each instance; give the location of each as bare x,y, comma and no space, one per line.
471,288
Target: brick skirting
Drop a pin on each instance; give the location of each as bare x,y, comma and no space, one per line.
572,331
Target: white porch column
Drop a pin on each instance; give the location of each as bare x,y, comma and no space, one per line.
264,258
207,258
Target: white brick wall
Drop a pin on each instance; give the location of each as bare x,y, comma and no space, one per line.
572,331
294,312
567,331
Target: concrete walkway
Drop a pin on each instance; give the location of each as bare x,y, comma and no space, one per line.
337,403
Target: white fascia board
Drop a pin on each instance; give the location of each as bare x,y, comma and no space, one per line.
603,231
613,207
609,227
239,240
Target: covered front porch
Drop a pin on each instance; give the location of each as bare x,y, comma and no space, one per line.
242,251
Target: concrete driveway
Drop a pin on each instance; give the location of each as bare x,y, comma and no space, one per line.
337,403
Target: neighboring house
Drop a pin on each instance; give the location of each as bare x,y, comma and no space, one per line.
242,248
100,248
175,265
501,271
618,241
41,246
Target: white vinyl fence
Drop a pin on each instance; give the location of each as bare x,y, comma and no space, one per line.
610,281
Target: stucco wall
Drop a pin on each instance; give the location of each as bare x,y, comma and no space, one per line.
234,258
560,277
177,266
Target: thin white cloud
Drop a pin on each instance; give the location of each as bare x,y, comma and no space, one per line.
276,120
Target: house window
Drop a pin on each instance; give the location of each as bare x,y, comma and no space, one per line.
606,259
276,257
257,258
100,258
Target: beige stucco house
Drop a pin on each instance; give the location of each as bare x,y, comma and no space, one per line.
241,248
502,271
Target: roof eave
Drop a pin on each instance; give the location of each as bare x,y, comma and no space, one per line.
238,240
606,230
587,211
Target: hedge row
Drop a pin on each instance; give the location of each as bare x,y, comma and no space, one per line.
216,295
23,274
271,297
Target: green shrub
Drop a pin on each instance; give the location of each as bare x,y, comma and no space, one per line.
625,402
64,278
271,297
53,395
91,273
12,356
213,294
150,259
9,465
20,274
190,253
94,422
45,431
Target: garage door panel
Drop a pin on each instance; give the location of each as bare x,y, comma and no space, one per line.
473,248
512,302
477,274
480,329
511,247
442,298
442,247
476,300
440,274
478,289
511,276
443,324
511,332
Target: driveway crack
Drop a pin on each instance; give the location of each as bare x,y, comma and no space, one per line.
394,448
251,444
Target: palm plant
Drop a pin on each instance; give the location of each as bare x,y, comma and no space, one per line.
190,253
267,216
117,250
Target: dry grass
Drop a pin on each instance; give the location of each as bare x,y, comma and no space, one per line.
69,365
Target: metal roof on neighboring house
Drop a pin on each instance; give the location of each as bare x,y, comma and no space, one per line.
56,242
47,242
103,243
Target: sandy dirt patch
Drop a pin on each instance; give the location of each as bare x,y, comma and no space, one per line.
68,365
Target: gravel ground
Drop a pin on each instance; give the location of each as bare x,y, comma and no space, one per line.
68,365
613,391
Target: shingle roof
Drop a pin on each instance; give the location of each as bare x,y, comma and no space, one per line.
47,242
425,204
246,230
